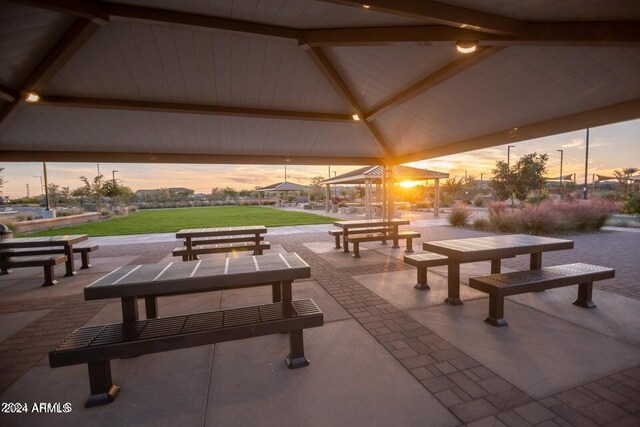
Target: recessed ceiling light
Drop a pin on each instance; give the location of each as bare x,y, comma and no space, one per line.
32,97
463,26
467,46
355,117
366,6
287,160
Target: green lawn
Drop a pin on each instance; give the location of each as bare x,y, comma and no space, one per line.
172,220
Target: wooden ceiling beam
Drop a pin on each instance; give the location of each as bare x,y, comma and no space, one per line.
182,108
332,75
86,9
448,71
148,15
72,40
7,94
433,11
182,158
533,34
616,113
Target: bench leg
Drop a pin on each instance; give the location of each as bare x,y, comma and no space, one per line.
4,270
585,291
496,311
395,245
453,283
151,307
276,292
337,236
356,249
422,279
409,249
495,266
103,391
345,244
85,260
48,276
296,358
68,251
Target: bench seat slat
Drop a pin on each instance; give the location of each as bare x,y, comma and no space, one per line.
380,236
33,261
96,343
221,248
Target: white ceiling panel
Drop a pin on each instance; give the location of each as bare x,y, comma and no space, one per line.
376,73
150,63
26,35
68,129
556,10
518,86
287,13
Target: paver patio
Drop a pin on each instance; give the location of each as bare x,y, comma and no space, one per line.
388,354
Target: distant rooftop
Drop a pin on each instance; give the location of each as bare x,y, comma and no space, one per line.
400,173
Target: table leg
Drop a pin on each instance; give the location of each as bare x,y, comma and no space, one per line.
287,295
536,261
454,283
189,247
129,309
276,292
495,266
395,238
345,244
256,251
68,251
151,307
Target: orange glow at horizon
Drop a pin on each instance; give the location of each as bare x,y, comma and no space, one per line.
410,184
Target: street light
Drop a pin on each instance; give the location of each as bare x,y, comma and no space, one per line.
481,175
586,166
561,159
113,176
509,147
41,187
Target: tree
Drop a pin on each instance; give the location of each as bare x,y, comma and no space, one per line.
65,195
452,186
54,193
229,192
623,176
1,180
522,178
117,191
94,187
317,190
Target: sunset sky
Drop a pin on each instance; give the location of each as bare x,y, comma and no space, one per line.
611,147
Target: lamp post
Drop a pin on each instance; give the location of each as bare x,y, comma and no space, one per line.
509,147
113,176
561,177
481,181
46,187
41,187
586,166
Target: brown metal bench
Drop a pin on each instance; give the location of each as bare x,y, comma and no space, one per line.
223,239
499,286
83,249
47,261
422,262
356,231
98,345
193,253
406,235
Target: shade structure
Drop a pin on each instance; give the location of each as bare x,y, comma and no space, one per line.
314,82
386,176
283,187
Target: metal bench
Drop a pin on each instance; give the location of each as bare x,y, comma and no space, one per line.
223,239
406,235
193,253
83,249
422,262
47,261
499,286
98,345
338,233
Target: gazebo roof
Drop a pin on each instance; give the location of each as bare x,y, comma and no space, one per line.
400,173
284,186
307,81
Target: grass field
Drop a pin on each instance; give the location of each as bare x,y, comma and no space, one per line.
172,220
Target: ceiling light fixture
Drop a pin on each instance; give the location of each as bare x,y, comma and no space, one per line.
466,46
355,117
366,6
32,97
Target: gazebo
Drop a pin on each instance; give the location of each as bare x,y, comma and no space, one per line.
282,187
385,176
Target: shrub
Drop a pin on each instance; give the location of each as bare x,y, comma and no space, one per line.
540,218
632,204
480,224
459,215
502,218
585,216
478,201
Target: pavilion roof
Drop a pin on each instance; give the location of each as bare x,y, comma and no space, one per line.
284,186
307,81
374,173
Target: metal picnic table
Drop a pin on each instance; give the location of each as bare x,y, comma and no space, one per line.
491,248
365,223
191,233
150,281
66,242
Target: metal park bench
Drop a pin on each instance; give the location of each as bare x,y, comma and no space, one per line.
192,254
422,262
402,235
98,345
219,236
83,249
499,286
49,263
339,233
